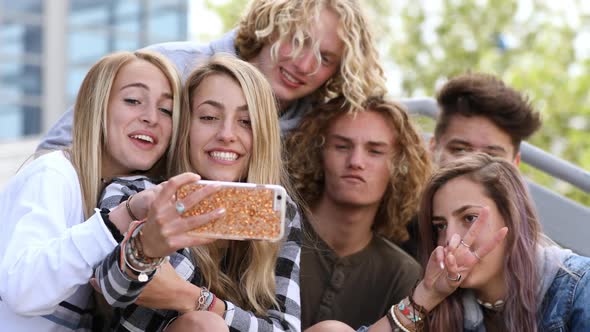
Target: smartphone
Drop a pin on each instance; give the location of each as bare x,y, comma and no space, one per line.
253,211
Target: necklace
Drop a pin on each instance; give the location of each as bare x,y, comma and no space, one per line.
496,306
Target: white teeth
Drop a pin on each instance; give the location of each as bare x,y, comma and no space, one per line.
223,155
143,138
290,78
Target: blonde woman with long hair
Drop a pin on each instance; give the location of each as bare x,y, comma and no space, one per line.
51,237
229,132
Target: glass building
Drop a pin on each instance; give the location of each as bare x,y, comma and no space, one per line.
47,46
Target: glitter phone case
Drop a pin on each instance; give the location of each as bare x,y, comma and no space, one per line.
253,211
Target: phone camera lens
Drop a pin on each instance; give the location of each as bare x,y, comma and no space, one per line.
279,197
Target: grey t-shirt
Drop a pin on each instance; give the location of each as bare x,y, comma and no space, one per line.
186,56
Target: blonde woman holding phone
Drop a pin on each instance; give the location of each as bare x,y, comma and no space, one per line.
229,132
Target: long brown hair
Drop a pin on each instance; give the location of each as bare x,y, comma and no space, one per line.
503,184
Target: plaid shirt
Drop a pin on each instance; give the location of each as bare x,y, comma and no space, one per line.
121,291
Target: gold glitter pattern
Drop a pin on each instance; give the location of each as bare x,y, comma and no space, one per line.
249,213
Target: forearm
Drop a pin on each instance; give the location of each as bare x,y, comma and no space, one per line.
410,313
36,274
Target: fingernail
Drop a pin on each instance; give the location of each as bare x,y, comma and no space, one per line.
221,211
442,265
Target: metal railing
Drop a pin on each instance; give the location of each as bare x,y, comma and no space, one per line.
565,221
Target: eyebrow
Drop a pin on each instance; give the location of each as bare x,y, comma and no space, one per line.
457,212
219,105
143,86
489,147
371,143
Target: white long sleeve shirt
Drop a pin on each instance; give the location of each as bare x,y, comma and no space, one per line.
47,249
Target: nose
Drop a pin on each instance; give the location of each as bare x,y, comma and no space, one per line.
306,62
150,115
356,159
452,228
226,132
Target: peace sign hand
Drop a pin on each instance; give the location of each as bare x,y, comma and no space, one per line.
448,266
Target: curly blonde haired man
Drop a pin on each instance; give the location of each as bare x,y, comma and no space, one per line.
310,50
360,174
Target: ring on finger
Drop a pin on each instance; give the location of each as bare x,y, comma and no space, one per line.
476,255
456,278
180,207
464,244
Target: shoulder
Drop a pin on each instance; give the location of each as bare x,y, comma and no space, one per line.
567,302
52,167
186,55
577,269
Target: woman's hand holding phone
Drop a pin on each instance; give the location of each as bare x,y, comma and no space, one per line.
166,230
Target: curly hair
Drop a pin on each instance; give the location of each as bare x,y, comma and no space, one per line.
476,94
409,167
277,21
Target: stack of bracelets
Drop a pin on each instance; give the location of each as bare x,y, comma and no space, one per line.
132,255
206,300
414,312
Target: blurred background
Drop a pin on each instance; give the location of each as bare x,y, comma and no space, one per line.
541,47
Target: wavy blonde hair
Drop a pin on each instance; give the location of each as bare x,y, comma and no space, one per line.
289,21
248,279
409,167
89,129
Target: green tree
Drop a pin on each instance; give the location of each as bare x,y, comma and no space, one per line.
532,50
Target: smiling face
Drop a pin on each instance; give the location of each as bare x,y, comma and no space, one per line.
220,133
294,78
466,135
356,158
455,207
139,121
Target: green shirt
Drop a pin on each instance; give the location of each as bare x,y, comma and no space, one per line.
357,289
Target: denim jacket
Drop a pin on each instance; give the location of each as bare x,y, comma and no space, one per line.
565,292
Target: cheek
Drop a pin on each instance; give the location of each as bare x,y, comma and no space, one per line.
246,139
324,74
331,162
284,52
167,129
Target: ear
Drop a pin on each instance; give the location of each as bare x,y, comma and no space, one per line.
432,144
516,160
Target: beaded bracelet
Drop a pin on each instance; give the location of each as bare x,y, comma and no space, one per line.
132,254
392,323
396,320
212,305
411,315
205,299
